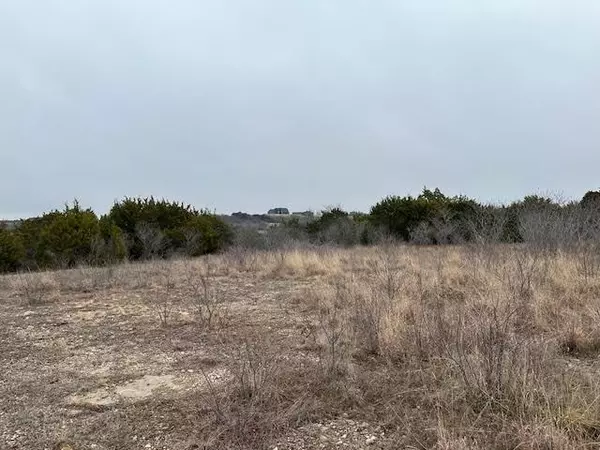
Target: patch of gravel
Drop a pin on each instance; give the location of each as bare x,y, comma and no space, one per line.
337,434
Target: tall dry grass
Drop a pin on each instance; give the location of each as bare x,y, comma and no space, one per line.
501,343
472,347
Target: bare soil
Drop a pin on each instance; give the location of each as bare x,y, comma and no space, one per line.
93,368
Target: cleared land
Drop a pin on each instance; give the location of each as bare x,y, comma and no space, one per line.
484,347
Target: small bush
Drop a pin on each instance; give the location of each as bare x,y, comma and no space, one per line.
162,300
205,299
35,288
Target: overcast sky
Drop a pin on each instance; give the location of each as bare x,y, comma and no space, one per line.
243,105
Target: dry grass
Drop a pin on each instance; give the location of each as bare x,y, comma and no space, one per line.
435,347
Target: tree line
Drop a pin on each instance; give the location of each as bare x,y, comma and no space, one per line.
146,228
433,218
134,229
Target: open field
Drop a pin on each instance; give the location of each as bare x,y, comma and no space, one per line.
483,347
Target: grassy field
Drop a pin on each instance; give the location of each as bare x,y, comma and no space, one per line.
484,347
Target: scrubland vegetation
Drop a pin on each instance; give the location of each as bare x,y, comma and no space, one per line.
143,229
321,341
470,347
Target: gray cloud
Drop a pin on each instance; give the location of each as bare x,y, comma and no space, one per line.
240,105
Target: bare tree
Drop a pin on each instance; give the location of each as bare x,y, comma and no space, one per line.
152,239
487,225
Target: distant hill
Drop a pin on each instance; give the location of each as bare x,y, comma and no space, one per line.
9,224
263,221
238,220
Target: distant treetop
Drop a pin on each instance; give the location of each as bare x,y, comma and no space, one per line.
591,200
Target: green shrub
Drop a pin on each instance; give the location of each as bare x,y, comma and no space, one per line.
30,232
401,215
162,214
338,227
110,245
68,237
328,218
203,233
160,228
12,251
432,216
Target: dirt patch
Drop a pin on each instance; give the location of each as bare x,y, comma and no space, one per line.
146,387
139,389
